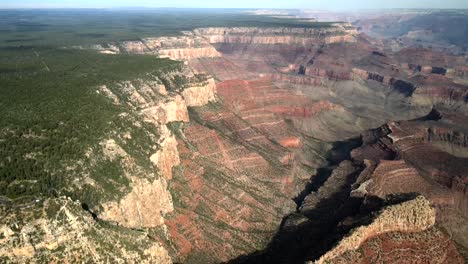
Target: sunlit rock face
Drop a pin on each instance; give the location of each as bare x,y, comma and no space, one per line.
200,94
412,216
398,228
426,156
263,147
288,36
177,48
55,225
274,90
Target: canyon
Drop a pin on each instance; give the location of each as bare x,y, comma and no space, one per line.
272,145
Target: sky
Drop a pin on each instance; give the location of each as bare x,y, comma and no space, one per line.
293,4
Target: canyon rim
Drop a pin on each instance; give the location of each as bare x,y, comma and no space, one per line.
233,136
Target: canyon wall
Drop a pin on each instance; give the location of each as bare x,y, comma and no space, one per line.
290,99
177,48
199,95
289,36
411,216
149,200
59,230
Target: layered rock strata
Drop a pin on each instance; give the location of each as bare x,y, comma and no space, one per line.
176,48
413,216
290,36
286,93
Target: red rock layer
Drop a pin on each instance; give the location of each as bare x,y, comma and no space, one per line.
423,57
223,208
430,160
442,88
394,177
220,68
296,79
239,168
411,140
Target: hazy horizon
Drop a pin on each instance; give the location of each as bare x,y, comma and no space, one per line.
334,5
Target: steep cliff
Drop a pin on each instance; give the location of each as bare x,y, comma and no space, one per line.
290,36
177,48
59,230
426,156
149,200
246,145
121,182
200,94
412,216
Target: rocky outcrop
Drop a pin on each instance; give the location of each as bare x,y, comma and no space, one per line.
59,230
330,74
426,156
460,72
145,206
429,152
170,110
199,95
149,200
429,60
412,216
394,177
182,47
167,157
440,90
402,247
291,142
402,86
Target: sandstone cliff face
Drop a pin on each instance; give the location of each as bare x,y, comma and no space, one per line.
176,48
170,110
429,59
59,230
189,53
145,206
149,200
411,216
200,95
289,36
461,72
415,140
167,157
435,83
296,79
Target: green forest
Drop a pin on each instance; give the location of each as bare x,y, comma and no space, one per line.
50,113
